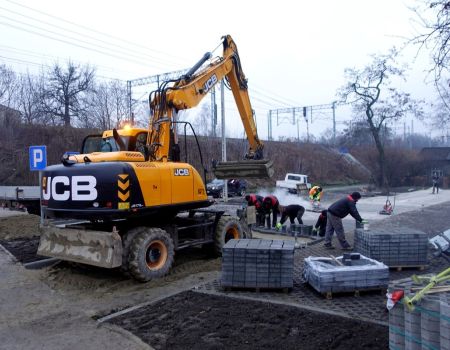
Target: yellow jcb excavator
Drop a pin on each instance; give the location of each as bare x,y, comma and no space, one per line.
128,201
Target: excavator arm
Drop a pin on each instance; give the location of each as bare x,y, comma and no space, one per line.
188,91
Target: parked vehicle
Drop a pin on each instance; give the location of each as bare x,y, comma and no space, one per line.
291,181
21,197
235,187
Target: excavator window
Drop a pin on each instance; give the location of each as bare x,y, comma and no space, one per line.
95,143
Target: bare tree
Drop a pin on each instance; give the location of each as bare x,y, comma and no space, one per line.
29,94
376,101
434,18
8,84
65,91
107,106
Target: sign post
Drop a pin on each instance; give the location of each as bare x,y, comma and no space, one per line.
38,162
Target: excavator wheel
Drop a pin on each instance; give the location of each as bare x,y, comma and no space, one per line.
127,239
227,228
151,254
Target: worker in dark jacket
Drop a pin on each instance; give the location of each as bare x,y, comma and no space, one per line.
321,223
293,211
253,200
336,212
271,206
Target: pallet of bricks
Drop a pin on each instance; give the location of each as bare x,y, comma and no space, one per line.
426,326
349,273
396,247
258,264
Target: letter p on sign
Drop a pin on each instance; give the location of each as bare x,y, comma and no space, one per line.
38,157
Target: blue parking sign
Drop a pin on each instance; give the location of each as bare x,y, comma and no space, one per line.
38,158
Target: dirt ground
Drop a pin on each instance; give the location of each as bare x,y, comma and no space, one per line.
54,308
191,320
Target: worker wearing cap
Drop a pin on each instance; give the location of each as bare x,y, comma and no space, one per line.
271,206
253,200
293,211
336,212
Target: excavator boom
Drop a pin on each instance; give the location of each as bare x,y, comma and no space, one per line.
187,92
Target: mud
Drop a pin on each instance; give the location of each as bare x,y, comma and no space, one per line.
24,249
19,226
192,320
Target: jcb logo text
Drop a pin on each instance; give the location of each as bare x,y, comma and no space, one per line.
181,172
61,188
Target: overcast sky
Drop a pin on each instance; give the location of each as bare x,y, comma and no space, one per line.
293,52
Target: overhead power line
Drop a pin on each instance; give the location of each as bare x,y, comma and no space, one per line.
110,46
77,25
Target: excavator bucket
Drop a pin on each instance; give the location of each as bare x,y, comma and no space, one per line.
249,169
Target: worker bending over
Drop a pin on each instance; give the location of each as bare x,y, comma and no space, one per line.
293,211
315,193
253,200
321,223
271,207
336,212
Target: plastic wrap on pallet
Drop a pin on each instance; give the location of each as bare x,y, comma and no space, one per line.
325,276
445,321
426,326
393,247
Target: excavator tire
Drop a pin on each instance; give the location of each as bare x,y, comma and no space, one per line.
227,228
151,254
127,239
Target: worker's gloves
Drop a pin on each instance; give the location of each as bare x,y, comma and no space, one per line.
278,227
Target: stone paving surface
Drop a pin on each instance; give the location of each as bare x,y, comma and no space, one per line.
369,306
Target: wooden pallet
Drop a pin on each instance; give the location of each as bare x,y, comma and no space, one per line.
256,289
400,268
355,293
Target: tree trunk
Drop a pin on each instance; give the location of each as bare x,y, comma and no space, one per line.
381,157
66,114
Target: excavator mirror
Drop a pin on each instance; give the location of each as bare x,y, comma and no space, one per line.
250,169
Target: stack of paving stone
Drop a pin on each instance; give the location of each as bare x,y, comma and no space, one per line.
326,276
258,263
427,326
394,247
301,230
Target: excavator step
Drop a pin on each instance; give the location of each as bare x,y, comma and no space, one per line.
244,169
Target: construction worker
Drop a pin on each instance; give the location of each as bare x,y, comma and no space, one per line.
336,212
293,211
435,181
315,193
321,223
271,206
253,200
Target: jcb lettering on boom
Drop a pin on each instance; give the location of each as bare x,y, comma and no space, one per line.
61,188
210,83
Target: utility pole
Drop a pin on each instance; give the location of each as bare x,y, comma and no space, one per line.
224,140
307,124
333,106
269,126
213,111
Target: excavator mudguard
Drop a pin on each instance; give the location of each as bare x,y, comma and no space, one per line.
90,247
244,169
